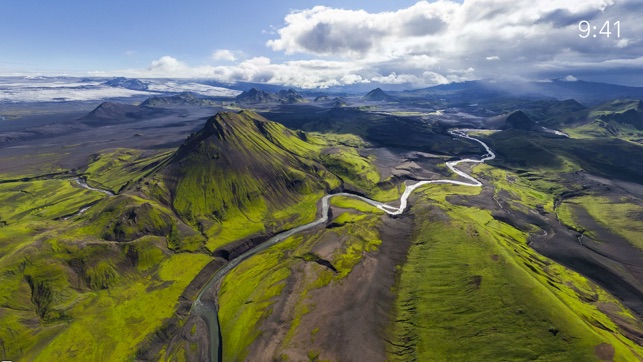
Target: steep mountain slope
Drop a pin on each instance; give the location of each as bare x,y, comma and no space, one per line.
290,97
519,120
241,169
617,118
556,114
627,112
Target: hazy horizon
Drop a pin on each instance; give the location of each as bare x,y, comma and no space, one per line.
406,44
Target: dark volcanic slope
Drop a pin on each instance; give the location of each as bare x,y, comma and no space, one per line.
622,111
377,94
255,96
519,120
109,113
383,130
290,97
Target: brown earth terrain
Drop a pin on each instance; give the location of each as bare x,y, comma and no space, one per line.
342,329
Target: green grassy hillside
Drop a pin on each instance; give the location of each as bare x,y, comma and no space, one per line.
70,293
473,290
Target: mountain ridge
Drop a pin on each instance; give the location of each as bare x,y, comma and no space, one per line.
257,96
582,91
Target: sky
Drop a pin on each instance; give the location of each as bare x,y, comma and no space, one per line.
318,44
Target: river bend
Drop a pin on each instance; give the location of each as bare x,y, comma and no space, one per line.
207,309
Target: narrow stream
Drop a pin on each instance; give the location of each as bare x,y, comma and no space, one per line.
83,183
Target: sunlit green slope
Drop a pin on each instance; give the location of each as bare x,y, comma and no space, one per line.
234,178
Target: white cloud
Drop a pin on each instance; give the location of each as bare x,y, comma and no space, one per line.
570,78
225,54
167,64
435,78
622,43
352,79
299,73
354,33
396,79
491,36
432,43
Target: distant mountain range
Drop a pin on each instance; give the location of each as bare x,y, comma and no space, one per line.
256,96
473,91
589,93
181,99
488,93
377,95
133,84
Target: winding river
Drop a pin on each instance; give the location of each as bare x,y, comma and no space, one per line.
207,309
83,183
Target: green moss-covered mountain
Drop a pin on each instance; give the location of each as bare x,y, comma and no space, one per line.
241,169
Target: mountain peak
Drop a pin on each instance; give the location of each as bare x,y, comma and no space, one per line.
111,110
222,126
519,120
256,96
290,97
112,113
377,94
122,82
238,159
